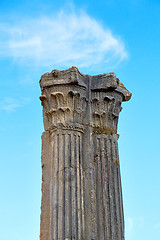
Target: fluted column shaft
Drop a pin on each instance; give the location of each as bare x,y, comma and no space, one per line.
109,210
66,206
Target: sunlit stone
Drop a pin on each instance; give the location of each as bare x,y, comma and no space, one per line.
81,183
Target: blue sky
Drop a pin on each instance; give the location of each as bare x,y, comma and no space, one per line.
96,36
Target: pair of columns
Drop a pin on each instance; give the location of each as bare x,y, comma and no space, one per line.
81,183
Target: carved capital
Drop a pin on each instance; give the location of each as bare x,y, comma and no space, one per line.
69,96
63,105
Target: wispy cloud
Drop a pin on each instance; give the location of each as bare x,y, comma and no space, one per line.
63,39
10,104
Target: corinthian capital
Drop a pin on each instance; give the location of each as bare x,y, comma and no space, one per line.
70,98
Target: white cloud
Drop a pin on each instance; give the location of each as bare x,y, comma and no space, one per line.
10,104
63,40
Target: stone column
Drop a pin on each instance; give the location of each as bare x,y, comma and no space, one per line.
81,185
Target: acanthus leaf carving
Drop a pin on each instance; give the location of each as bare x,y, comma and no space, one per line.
67,106
105,109
67,99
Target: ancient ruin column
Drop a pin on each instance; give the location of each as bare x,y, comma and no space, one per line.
81,185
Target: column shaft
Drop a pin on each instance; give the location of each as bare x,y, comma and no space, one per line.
66,186
109,211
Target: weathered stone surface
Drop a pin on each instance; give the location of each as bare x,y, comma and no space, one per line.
81,184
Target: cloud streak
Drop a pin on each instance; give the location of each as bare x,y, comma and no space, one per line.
10,104
63,40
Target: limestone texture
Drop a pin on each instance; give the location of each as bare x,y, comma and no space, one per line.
81,183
